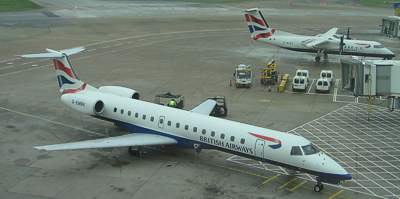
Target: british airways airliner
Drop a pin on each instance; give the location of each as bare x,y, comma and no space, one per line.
153,124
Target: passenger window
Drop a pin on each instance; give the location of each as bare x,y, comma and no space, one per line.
299,74
152,118
222,136
212,133
319,83
325,83
129,113
122,111
296,151
161,121
144,117
169,123
323,74
136,115
302,81
203,131
329,75
195,129
232,138
242,141
186,127
177,125
296,81
115,110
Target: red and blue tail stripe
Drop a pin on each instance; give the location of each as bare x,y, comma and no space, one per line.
277,142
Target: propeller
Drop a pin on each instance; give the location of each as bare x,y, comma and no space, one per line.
341,45
348,33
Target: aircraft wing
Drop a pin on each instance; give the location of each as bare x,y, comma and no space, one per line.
330,32
322,38
205,108
316,42
135,139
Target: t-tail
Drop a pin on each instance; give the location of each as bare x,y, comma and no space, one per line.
257,24
67,79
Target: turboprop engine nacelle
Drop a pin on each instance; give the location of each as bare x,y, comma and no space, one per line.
120,91
85,103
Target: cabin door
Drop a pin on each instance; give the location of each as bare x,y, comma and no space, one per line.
259,148
161,122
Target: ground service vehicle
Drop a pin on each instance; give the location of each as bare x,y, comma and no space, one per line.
269,74
323,85
243,76
326,74
165,99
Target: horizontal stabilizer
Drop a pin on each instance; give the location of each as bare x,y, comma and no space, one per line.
135,139
55,54
205,108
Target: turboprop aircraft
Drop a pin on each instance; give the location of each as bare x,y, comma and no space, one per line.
322,44
153,124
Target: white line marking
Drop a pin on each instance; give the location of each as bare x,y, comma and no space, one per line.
51,121
309,89
6,67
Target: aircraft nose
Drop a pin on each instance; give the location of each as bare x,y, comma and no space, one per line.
346,177
390,53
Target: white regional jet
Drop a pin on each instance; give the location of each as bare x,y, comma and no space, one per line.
153,124
322,44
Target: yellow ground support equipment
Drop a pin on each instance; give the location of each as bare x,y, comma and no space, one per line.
284,81
269,74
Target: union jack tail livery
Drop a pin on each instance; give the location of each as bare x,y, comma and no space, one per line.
66,76
258,27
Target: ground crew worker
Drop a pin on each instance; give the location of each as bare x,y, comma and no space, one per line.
172,103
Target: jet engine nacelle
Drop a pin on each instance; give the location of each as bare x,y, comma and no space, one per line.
85,103
120,91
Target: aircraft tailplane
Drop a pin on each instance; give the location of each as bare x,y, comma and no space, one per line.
257,24
67,79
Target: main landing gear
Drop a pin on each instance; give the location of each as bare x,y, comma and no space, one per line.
135,151
319,54
319,186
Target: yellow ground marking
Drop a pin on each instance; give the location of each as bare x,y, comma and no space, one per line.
287,183
298,186
336,194
268,180
245,172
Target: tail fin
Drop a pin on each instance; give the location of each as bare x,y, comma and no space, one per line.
68,81
258,27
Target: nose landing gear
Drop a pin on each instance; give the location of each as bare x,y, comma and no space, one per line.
319,186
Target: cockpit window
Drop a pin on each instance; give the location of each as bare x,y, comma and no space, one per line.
309,149
378,46
296,151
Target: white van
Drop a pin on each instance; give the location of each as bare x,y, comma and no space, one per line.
323,85
299,83
326,74
302,73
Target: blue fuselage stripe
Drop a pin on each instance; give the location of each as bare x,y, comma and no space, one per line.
188,143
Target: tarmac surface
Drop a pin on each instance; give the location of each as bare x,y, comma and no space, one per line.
185,48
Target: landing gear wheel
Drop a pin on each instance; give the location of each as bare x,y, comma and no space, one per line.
135,151
317,59
318,187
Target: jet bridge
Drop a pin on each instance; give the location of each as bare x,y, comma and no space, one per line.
372,78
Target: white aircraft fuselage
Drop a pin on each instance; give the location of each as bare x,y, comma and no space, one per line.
351,47
257,141
322,44
154,124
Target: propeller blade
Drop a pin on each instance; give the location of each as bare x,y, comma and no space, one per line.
348,33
